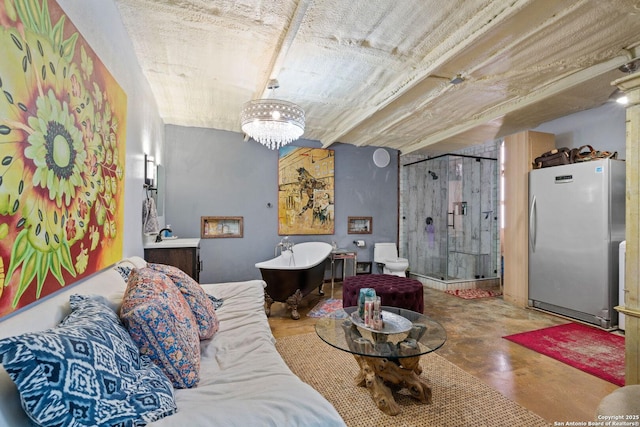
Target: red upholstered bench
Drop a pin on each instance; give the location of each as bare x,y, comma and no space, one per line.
394,291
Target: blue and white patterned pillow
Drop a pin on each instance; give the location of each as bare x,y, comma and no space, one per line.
86,372
125,271
217,302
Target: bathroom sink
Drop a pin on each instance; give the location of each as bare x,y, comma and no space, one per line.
174,243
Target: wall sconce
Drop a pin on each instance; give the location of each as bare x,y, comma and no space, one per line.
149,172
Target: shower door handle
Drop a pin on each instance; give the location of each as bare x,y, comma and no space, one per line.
453,220
532,224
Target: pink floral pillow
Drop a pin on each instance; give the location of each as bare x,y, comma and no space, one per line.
162,325
201,306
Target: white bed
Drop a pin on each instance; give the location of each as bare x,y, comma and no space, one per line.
243,379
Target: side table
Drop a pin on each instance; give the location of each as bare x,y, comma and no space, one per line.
341,254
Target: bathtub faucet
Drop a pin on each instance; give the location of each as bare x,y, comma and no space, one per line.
284,245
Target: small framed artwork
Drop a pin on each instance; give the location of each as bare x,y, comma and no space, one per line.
359,225
212,227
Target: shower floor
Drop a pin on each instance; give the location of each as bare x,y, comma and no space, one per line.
443,278
452,283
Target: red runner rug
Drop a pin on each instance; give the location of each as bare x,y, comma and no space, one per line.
473,293
591,350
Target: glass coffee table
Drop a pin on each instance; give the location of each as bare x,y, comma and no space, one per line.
389,356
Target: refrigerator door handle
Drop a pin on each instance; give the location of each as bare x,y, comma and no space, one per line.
532,224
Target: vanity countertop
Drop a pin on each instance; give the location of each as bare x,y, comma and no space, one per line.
174,243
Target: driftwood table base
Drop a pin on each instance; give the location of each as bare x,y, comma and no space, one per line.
405,372
389,359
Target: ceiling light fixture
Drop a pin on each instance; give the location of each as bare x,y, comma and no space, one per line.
272,122
624,100
457,79
629,67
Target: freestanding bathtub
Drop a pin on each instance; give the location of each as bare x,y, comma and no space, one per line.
294,274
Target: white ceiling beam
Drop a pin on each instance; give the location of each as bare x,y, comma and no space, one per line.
282,50
284,45
435,94
492,16
518,103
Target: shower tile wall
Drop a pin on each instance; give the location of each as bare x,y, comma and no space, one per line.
491,150
476,231
472,201
427,247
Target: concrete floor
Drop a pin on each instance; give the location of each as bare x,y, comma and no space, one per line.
551,389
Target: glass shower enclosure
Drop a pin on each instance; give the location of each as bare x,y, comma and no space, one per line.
451,217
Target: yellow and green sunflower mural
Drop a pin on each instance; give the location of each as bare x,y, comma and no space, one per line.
62,153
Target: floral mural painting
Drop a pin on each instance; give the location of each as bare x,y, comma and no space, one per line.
305,191
62,153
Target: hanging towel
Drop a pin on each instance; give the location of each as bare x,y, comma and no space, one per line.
149,216
431,235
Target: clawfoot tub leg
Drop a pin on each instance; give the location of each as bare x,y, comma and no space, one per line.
292,303
320,291
267,304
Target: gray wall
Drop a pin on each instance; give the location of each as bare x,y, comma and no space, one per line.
603,128
215,173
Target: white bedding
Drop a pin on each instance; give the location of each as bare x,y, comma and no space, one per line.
243,380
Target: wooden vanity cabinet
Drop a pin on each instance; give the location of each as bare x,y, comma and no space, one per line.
186,259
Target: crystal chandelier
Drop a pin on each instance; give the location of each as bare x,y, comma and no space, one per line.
272,122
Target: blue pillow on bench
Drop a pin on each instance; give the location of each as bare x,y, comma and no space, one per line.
86,372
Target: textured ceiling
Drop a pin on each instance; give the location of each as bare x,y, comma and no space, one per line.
377,72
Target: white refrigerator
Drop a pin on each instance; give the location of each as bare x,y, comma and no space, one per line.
576,223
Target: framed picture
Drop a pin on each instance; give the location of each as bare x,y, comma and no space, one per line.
359,225
212,227
305,191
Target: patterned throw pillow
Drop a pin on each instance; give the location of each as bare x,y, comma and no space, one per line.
124,271
202,307
86,372
217,302
162,325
